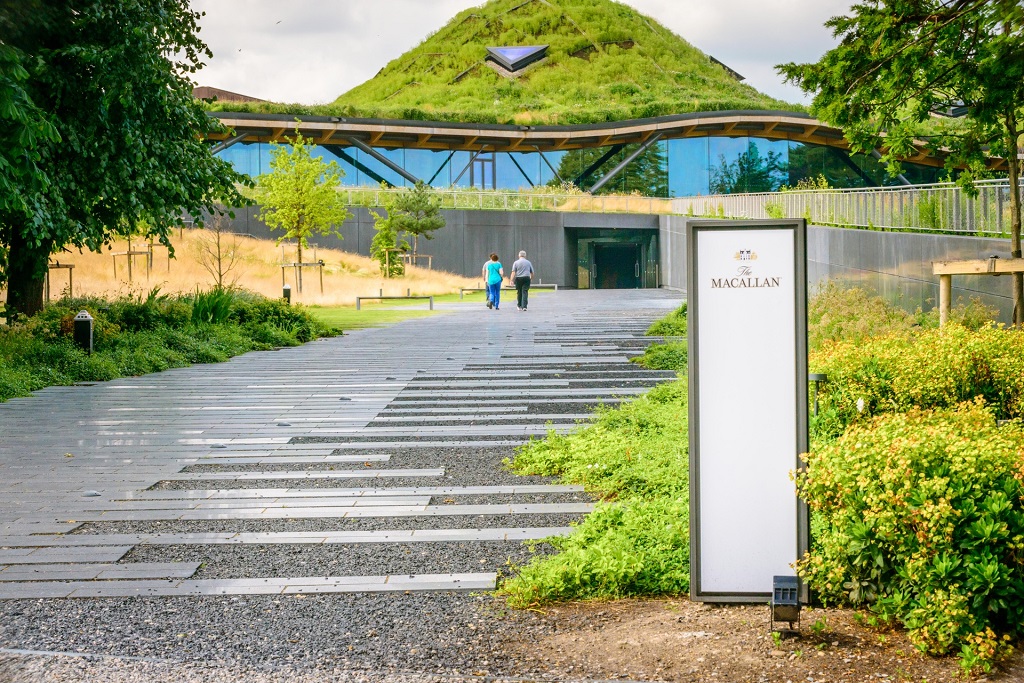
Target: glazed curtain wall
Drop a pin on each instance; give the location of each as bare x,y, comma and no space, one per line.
675,168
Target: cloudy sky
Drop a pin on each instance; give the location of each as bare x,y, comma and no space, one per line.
311,51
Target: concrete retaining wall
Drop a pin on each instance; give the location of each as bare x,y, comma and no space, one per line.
896,265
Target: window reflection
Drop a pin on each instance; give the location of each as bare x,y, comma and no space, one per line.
676,168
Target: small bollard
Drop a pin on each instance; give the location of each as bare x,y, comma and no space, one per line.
818,379
286,293
83,331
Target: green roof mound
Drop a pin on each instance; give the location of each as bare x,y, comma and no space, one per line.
604,62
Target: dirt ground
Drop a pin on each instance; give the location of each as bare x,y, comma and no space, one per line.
679,640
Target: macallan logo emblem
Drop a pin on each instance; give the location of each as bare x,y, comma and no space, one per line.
745,279
745,255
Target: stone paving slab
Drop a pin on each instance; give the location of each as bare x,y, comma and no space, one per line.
25,544
77,571
337,492
268,586
303,474
290,460
336,512
60,553
262,503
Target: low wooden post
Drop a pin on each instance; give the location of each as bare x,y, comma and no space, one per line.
945,297
947,269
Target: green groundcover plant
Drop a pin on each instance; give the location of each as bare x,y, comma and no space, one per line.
135,335
920,515
637,540
672,354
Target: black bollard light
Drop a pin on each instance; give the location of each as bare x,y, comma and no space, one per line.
287,294
785,603
83,331
818,379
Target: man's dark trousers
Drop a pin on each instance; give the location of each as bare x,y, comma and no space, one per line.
522,292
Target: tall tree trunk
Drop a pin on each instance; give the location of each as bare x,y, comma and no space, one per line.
415,248
26,275
1015,252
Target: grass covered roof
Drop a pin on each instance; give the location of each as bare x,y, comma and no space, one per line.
605,62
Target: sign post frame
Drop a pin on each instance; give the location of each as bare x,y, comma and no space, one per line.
795,539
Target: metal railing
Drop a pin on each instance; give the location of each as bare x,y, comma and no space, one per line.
941,207
522,201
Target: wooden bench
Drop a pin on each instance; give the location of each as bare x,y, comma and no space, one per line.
359,299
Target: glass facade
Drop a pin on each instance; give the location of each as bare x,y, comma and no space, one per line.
673,168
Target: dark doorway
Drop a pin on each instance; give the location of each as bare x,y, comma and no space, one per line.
617,266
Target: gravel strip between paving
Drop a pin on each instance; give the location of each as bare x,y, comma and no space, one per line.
357,559
329,524
75,669
467,466
438,633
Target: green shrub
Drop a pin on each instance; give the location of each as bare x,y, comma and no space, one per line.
620,550
669,356
136,335
15,382
839,313
213,306
921,517
672,325
973,315
295,320
636,457
931,369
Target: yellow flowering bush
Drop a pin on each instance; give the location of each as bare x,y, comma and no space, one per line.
920,515
929,369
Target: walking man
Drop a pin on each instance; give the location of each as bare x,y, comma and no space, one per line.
493,274
520,277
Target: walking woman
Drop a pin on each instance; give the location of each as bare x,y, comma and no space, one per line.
493,274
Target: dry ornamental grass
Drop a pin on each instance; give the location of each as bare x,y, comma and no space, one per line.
246,262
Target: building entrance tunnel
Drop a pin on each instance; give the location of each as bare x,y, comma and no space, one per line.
616,259
617,266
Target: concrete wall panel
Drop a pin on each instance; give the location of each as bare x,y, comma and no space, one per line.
893,264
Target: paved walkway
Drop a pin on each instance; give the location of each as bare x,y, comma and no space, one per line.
360,464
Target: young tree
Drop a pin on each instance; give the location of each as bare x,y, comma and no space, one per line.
415,211
98,130
385,246
300,194
219,252
898,60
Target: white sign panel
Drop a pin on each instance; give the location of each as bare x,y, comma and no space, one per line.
748,404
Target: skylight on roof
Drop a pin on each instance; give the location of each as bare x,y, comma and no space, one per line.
516,58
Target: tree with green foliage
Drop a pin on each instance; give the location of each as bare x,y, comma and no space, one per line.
385,246
98,131
749,172
415,211
900,60
300,194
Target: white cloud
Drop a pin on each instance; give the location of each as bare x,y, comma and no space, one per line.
311,51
